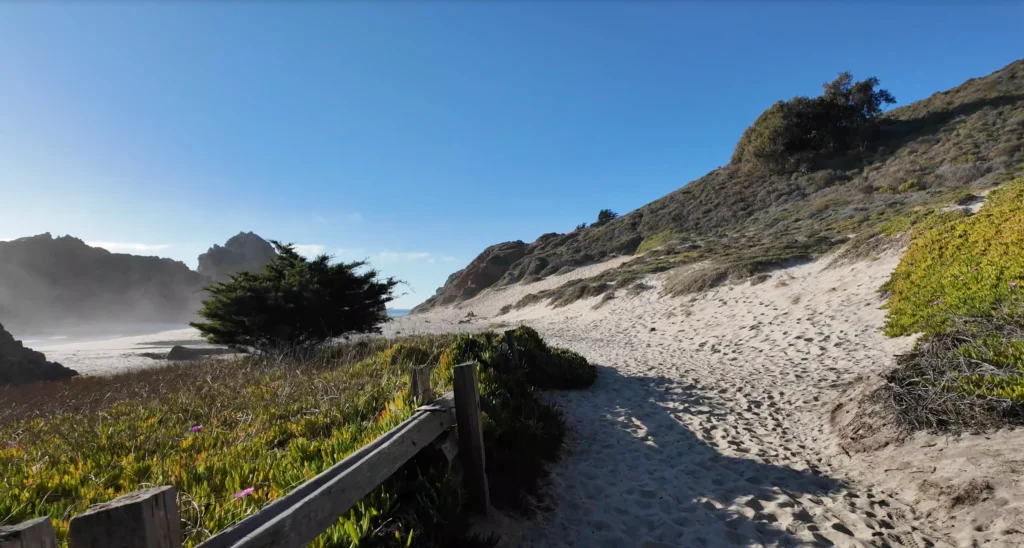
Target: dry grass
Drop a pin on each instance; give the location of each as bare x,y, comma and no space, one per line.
694,280
941,387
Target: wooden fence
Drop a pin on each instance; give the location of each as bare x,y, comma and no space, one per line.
149,518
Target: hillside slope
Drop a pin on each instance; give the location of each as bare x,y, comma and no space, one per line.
54,283
47,281
935,150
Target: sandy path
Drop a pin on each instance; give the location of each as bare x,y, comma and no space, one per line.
701,428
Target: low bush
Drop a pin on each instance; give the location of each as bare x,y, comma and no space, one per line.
552,369
216,430
695,280
960,283
968,378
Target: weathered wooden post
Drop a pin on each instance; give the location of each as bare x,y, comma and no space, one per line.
141,519
419,383
471,436
36,533
510,340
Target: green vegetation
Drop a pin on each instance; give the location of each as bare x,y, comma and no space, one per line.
960,284
952,144
216,430
654,241
604,216
960,265
295,303
802,132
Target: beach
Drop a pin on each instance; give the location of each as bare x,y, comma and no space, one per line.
711,420
717,418
110,350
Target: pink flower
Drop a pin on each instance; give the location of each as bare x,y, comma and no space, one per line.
1013,285
11,444
937,302
974,269
244,492
196,428
960,279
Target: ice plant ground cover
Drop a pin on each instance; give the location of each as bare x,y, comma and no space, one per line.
231,436
959,283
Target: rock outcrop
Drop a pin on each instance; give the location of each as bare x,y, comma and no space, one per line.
243,252
19,365
49,283
486,270
185,353
513,262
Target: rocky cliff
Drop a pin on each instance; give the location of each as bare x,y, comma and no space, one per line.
243,252
20,365
48,282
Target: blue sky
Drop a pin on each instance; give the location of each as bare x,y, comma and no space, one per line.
416,134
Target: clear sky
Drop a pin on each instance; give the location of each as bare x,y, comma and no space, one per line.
416,134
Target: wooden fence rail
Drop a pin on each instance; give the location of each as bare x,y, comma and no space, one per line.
149,518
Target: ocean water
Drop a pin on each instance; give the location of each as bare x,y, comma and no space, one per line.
80,334
398,312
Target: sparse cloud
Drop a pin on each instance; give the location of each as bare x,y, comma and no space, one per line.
319,219
354,217
395,256
128,247
350,253
389,256
309,250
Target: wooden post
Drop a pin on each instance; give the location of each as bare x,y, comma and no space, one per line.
510,340
471,436
419,383
36,533
141,519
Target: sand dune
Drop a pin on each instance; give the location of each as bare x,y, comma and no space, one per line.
709,425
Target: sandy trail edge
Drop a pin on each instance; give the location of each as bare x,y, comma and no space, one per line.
709,425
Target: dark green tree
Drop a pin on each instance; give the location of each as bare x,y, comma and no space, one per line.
794,133
295,303
581,226
604,216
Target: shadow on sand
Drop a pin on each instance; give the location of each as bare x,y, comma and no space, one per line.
638,475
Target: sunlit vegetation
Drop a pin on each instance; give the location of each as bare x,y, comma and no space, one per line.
915,160
231,436
960,284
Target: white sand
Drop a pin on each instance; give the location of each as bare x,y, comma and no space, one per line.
115,354
708,425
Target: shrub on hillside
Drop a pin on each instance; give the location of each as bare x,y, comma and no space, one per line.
604,216
803,129
295,303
